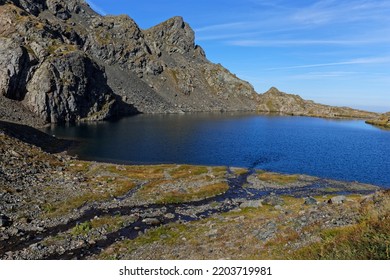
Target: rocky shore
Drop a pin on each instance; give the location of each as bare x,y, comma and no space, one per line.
54,206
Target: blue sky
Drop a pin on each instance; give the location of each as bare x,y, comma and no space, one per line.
332,52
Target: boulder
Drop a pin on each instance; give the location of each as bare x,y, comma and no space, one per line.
337,199
251,204
151,221
310,201
273,200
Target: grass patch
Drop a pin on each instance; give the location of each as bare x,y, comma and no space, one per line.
89,195
108,222
365,241
170,191
239,171
219,169
79,166
138,172
194,194
280,179
168,235
185,171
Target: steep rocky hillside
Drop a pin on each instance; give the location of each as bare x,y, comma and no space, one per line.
62,62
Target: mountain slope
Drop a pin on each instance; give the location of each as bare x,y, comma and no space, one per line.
62,62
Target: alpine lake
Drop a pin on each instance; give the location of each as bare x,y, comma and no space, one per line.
348,150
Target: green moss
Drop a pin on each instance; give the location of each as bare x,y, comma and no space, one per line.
82,229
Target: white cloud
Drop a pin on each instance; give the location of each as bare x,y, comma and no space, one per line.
222,26
331,11
281,43
367,60
322,75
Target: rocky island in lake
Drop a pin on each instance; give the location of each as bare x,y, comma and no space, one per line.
61,62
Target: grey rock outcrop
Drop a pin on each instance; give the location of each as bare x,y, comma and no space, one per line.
43,67
337,199
70,88
17,63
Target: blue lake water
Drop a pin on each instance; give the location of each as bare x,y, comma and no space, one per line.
338,149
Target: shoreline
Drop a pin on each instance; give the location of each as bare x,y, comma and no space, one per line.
64,208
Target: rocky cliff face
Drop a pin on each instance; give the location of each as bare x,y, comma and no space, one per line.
44,68
62,62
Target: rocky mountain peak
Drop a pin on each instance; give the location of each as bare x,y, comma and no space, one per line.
272,90
172,36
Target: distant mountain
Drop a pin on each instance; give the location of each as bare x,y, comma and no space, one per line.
279,102
62,62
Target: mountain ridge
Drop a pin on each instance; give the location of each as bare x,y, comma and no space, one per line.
63,62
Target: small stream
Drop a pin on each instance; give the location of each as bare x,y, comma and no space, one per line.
198,210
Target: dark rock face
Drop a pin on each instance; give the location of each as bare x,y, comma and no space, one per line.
33,7
17,64
69,88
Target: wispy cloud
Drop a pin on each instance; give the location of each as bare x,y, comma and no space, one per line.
367,60
331,11
326,17
222,26
96,8
322,75
300,42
